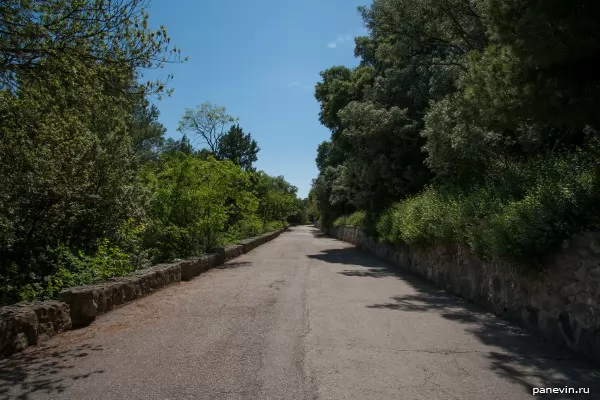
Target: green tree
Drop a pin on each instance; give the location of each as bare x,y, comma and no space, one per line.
238,147
276,198
301,214
182,145
329,154
501,95
189,208
384,162
312,207
554,48
69,168
71,111
208,123
340,86
147,134
114,33
529,92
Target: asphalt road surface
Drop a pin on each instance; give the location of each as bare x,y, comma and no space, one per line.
302,317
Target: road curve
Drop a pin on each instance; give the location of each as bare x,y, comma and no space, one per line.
302,317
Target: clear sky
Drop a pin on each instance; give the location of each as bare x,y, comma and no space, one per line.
261,60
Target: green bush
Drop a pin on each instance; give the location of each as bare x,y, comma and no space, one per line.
193,204
562,200
274,225
358,219
522,213
249,226
71,267
74,268
192,201
131,240
340,221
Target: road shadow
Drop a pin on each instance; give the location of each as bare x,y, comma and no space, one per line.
42,372
372,267
234,265
316,232
520,357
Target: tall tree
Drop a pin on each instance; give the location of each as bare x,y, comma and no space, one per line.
208,123
182,145
147,133
412,57
111,32
238,147
71,111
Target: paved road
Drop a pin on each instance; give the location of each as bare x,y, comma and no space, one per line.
302,317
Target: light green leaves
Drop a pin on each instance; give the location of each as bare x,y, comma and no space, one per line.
208,123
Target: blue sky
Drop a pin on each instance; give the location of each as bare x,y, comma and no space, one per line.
261,60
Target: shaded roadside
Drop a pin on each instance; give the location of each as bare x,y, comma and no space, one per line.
43,371
518,356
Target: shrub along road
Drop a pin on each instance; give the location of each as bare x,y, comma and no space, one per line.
302,317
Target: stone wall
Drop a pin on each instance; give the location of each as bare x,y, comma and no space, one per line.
87,302
561,304
193,267
27,324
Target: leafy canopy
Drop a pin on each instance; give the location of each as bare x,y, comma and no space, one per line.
238,147
208,123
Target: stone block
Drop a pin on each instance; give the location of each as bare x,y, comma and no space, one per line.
251,243
87,302
27,324
53,317
193,267
82,304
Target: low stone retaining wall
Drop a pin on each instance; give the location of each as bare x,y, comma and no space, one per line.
561,304
225,254
27,324
193,267
254,242
86,302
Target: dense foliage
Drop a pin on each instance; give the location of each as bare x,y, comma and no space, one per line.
238,147
91,188
467,121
